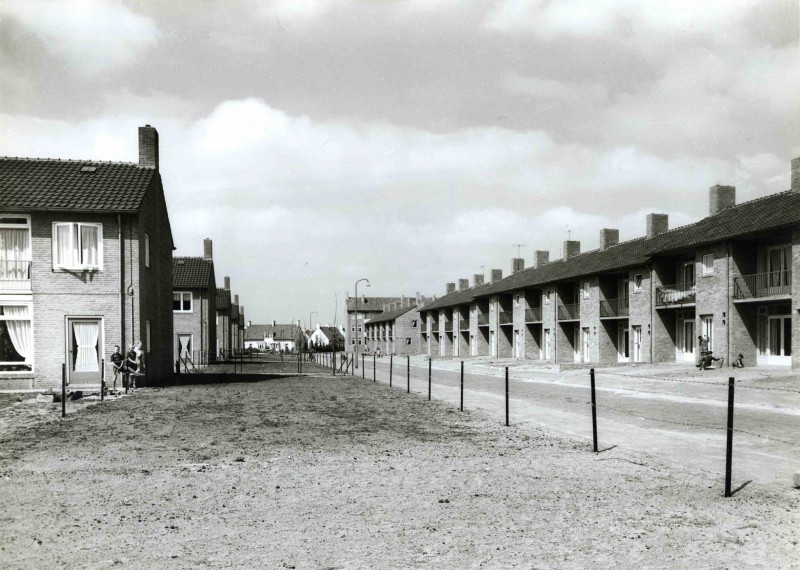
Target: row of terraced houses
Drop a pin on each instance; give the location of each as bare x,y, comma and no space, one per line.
731,278
86,263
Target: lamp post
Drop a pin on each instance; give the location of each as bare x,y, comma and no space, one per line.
309,327
358,336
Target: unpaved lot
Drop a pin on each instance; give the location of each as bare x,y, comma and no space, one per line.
342,473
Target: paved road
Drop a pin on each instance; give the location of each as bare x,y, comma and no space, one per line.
680,418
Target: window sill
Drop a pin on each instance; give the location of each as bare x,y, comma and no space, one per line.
77,269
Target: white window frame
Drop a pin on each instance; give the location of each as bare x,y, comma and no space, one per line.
585,288
191,302
147,250
637,283
33,336
708,268
75,230
547,293
517,299
147,335
707,329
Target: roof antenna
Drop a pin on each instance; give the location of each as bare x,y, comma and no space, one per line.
518,246
569,233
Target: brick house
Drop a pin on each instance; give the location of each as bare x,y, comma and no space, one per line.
223,320
731,277
85,264
368,307
194,307
396,330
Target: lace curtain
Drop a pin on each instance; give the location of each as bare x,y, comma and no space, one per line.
20,330
86,338
15,253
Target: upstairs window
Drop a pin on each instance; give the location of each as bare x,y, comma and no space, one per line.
637,283
708,264
77,246
413,323
547,293
585,289
182,302
15,247
147,250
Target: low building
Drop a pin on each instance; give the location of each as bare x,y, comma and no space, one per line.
276,337
326,337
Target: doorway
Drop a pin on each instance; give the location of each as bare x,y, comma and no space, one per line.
779,340
684,348
185,347
623,343
84,349
517,344
637,343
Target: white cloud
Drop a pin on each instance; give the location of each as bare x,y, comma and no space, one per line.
92,36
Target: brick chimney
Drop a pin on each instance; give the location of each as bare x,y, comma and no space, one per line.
571,249
227,285
148,147
796,174
657,224
608,238
497,275
236,299
450,288
540,257
517,264
477,279
274,323
208,249
720,198
463,284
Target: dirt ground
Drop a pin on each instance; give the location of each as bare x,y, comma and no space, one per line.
309,472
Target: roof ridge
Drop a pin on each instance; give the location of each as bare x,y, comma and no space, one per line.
76,161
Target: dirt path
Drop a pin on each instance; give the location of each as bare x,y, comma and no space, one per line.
341,473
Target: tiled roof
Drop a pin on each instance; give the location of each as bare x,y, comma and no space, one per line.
191,272
281,332
332,333
760,215
390,315
223,299
366,304
85,185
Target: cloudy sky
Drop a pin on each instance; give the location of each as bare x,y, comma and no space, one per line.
410,142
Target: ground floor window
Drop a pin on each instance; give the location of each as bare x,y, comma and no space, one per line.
16,338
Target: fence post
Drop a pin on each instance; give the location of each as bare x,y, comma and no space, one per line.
102,379
594,412
363,374
507,422
462,386
391,356
429,377
63,390
408,374
729,446
334,362
374,373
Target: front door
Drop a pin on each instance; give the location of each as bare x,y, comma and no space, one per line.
685,346
576,344
84,350
637,343
517,344
779,341
585,349
623,343
546,344
493,343
185,347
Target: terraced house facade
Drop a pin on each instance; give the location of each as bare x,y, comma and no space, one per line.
194,308
85,264
731,278
396,329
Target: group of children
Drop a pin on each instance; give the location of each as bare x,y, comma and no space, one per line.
129,366
707,358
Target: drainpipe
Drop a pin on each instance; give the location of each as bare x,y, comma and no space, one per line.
121,283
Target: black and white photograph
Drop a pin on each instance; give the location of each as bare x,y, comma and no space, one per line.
392,284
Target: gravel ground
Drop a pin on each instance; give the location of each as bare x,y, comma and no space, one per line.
309,472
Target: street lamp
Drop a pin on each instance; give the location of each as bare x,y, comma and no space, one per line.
309,327
358,336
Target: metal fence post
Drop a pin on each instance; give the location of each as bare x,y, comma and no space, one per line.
462,386
374,373
507,423
102,379
391,369
429,378
729,446
594,412
63,390
408,374
363,374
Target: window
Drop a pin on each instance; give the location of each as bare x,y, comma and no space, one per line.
147,250
16,338
708,264
147,335
352,329
15,247
585,289
408,341
77,246
637,283
547,293
414,323
516,299
182,302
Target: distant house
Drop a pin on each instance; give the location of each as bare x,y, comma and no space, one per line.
326,336
275,337
396,330
85,264
223,320
194,307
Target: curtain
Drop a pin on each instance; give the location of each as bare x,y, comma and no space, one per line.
86,338
64,245
19,330
15,254
89,245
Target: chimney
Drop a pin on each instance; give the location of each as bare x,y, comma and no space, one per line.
450,287
274,323
227,283
540,257
497,275
403,301
236,299
148,147
318,325
249,324
720,198
208,249
396,305
412,302
657,224
571,249
477,279
796,174
517,264
608,237
463,284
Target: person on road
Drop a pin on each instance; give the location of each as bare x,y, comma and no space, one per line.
739,362
708,360
378,352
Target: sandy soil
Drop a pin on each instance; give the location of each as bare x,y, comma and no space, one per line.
342,473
